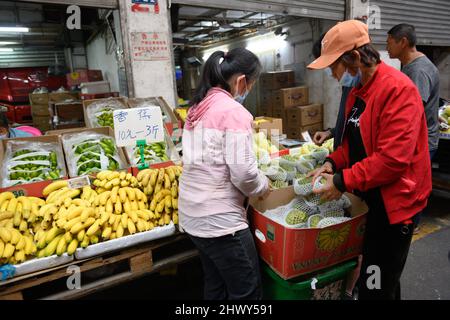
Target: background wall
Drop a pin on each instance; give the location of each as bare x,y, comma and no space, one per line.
292,52
99,58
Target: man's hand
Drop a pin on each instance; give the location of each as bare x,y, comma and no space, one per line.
325,168
329,191
321,136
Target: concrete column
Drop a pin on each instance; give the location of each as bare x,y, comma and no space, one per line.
148,75
357,9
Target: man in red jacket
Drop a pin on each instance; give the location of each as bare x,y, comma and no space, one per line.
384,156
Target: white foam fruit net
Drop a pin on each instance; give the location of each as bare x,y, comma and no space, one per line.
291,171
320,154
303,186
300,204
275,173
314,220
326,222
304,166
314,200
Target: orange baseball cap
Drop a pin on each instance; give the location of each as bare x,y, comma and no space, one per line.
343,37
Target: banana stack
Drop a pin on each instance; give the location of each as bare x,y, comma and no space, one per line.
68,218
19,213
69,222
161,187
14,246
107,180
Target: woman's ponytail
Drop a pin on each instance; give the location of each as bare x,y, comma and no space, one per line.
216,72
211,76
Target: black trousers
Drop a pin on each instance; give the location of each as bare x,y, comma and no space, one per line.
231,267
385,250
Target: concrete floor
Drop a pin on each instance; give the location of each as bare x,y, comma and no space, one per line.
427,271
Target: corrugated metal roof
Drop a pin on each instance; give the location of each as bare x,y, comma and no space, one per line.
31,58
431,19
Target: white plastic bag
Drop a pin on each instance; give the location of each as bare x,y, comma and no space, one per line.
43,161
97,108
90,152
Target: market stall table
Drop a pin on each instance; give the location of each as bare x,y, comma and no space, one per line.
110,270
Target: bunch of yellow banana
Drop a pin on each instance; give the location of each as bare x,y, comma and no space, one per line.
19,212
54,186
155,180
107,180
89,194
15,247
68,229
72,218
161,186
114,226
119,200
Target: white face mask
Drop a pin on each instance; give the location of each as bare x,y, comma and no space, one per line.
347,80
241,98
3,136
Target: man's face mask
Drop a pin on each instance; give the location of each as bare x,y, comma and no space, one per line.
347,80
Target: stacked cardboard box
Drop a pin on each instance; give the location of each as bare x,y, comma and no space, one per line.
271,83
83,75
66,110
40,111
280,98
288,98
293,106
304,118
44,108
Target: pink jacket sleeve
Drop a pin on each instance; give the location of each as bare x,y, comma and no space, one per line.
241,160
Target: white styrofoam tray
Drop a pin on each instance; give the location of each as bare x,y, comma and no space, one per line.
39,264
125,242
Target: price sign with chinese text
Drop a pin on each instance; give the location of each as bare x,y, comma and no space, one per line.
131,125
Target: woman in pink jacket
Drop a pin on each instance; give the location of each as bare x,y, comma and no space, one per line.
220,172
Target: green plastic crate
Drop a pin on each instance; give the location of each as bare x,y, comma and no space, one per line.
330,284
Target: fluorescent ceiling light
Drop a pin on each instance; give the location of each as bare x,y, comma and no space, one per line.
206,24
7,43
266,44
239,24
232,14
14,29
200,36
220,30
6,50
192,29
